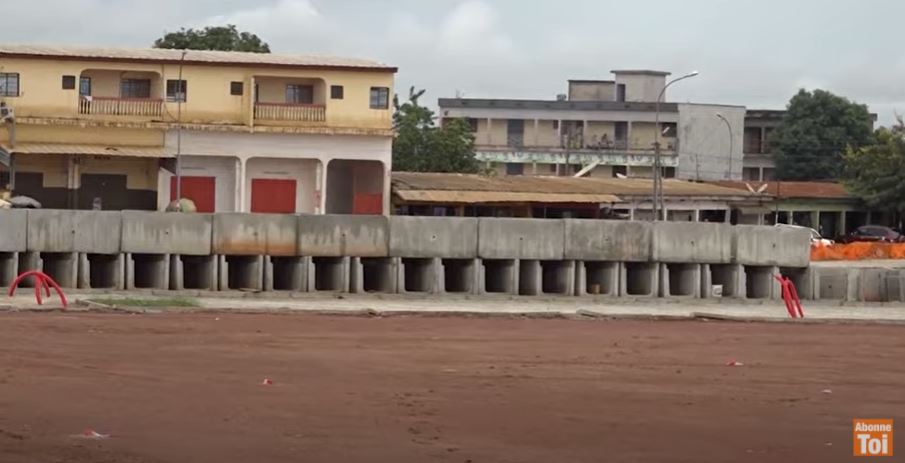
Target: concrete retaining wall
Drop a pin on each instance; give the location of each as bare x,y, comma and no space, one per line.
783,246
688,242
431,255
446,237
343,235
255,234
167,233
541,239
13,230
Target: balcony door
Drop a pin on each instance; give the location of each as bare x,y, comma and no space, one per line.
135,88
515,133
299,94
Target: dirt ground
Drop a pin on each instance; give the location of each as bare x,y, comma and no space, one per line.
187,388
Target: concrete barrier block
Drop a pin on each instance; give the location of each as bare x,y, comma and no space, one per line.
608,240
444,237
687,242
13,230
343,235
541,239
51,230
236,234
596,278
167,233
98,232
779,246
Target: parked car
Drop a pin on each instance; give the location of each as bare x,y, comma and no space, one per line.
816,238
874,233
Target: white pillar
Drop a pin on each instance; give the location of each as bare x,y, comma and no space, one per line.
536,132
584,134
240,186
696,215
321,187
490,131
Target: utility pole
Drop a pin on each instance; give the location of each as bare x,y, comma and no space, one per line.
657,193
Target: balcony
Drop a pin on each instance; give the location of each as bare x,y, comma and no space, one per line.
290,112
618,153
108,106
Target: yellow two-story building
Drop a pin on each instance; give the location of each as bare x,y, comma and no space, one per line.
114,129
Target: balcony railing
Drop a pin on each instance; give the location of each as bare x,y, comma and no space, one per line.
290,112
121,106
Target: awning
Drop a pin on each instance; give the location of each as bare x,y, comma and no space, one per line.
91,150
478,197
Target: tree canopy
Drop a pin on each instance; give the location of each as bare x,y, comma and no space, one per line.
816,130
421,146
876,173
220,38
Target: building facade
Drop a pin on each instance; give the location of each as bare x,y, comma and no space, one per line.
110,129
605,128
758,155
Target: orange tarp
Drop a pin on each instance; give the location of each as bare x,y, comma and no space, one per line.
858,251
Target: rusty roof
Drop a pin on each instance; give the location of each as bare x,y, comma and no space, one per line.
95,150
787,190
587,187
198,57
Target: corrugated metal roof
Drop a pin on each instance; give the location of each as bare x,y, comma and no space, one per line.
192,57
478,197
94,150
621,188
810,190
486,103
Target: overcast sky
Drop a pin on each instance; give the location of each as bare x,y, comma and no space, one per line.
751,52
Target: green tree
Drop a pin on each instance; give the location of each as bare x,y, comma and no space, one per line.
220,38
816,130
421,146
876,172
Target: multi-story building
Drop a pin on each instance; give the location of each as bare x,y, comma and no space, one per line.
110,129
758,158
605,128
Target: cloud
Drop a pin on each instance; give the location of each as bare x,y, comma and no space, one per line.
283,23
473,28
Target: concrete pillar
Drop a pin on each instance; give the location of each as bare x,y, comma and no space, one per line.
147,271
680,280
286,273
328,274
696,215
241,272
498,276
102,271
597,278
193,272
534,168
321,186
584,134
529,278
536,130
639,279
815,220
490,131
843,226
62,267
9,266
869,218
628,138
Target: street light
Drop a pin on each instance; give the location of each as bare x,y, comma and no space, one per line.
731,143
657,196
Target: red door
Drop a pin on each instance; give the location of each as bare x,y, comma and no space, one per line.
275,196
201,190
368,204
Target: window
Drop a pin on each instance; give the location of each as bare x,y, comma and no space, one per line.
669,172
337,92
68,82
176,90
135,88
620,92
472,124
299,94
515,168
236,88
84,86
380,98
556,125
9,84
668,129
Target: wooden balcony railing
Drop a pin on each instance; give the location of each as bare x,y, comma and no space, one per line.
290,112
121,106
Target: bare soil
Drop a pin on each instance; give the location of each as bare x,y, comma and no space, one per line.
188,388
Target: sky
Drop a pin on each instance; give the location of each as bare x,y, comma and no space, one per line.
756,53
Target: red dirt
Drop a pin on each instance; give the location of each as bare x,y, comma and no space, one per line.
187,388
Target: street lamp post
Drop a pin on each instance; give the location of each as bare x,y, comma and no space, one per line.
731,142
657,194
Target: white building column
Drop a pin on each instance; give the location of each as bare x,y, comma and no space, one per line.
321,187
696,215
536,132
584,134
490,131
240,186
